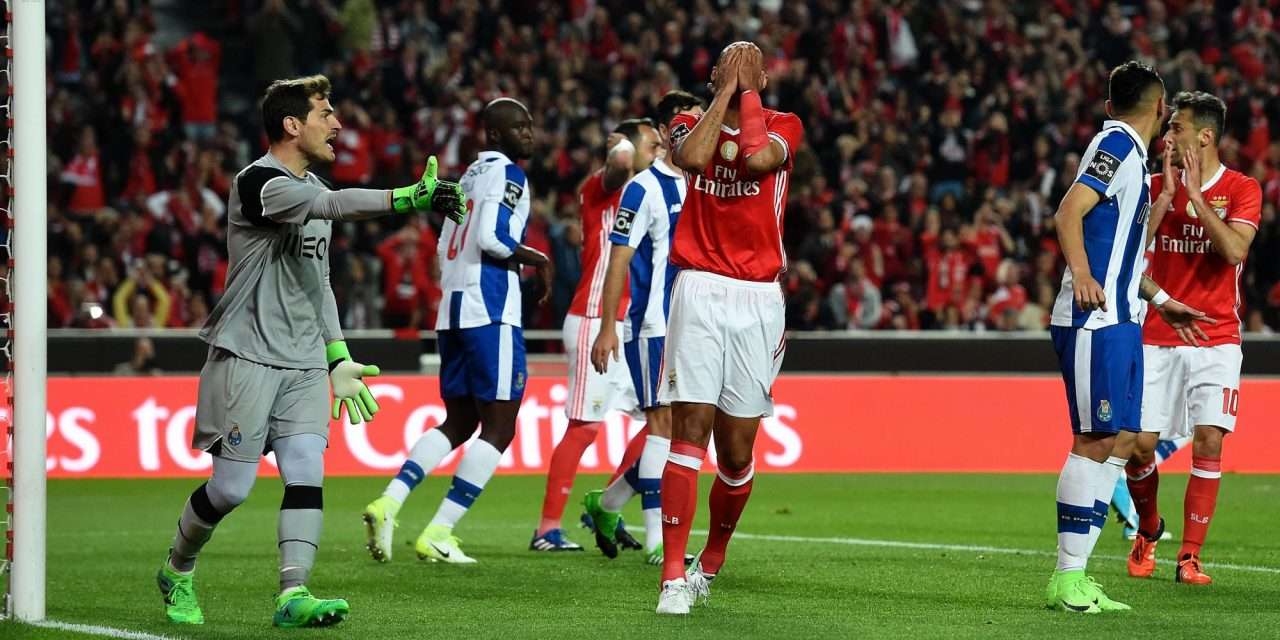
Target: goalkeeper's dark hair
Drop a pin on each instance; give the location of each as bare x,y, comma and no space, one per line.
674,102
291,97
1207,111
631,128
1129,86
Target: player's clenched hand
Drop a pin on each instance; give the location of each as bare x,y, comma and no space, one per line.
346,377
1088,293
605,346
1184,321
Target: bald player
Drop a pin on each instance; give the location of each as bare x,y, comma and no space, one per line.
482,357
273,339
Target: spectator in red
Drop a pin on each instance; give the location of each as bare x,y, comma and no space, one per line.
196,61
59,308
84,174
141,181
990,241
1009,298
948,269
869,253
405,279
354,163
386,140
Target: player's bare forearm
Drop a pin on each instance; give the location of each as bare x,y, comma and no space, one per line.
1069,222
767,159
1230,241
699,145
615,279
525,254
1147,288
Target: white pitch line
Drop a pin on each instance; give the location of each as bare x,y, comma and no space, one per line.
95,630
935,546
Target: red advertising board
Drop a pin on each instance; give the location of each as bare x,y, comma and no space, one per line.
141,427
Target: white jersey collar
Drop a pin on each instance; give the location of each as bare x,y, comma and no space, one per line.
662,167
492,154
1208,184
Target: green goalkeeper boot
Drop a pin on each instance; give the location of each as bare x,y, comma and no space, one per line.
180,603
296,607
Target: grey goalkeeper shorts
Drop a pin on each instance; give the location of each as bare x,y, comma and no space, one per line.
243,406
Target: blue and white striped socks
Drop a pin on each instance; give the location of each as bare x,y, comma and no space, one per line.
425,456
477,466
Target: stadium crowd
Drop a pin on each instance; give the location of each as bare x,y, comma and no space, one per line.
940,137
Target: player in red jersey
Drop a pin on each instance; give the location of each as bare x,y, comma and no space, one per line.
633,145
1204,217
725,329
593,394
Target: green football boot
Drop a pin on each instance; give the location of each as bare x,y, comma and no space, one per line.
1104,603
1072,592
603,523
296,607
179,596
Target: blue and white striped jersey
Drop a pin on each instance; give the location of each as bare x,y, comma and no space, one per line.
1114,165
480,282
646,222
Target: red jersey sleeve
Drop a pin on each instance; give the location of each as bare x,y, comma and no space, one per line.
680,127
590,191
1157,186
1246,203
786,129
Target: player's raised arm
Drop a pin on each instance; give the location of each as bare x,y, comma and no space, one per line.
1231,239
1169,178
285,200
765,145
695,149
1069,222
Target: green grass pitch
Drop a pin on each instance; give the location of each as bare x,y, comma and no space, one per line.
820,578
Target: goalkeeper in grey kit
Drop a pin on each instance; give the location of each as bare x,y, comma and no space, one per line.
274,338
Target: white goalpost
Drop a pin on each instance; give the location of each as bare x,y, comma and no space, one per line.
27,280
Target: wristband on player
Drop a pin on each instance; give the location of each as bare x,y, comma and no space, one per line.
336,352
751,120
1160,298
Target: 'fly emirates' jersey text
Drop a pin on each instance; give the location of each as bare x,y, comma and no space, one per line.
731,222
1187,267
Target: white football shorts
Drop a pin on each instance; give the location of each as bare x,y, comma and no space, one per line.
725,343
593,395
1188,386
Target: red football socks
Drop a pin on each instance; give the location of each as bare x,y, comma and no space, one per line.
1200,501
729,495
563,469
679,502
631,455
1144,484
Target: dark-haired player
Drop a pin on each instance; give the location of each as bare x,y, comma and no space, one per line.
1210,215
1102,227
274,338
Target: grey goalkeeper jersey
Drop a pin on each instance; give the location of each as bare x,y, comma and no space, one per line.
278,308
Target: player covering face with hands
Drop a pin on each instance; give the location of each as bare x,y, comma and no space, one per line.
274,338
724,343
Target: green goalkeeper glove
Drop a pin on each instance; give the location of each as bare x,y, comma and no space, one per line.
431,194
346,377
